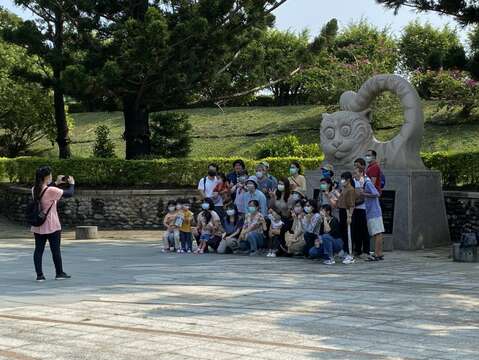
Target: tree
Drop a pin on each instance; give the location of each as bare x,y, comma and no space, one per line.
165,54
48,37
103,148
425,47
473,65
465,12
171,135
26,110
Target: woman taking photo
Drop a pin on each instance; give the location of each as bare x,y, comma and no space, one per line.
48,194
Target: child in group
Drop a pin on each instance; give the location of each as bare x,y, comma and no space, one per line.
221,188
274,238
186,227
171,238
208,225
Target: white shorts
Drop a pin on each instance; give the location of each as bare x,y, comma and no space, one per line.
375,226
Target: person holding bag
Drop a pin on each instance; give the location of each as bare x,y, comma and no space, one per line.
47,194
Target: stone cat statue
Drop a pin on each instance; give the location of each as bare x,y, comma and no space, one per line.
347,134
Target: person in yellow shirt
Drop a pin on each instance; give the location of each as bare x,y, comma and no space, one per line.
186,227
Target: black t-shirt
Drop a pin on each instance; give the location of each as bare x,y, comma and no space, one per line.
335,230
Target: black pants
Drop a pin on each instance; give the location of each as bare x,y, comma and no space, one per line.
343,227
40,242
288,224
359,232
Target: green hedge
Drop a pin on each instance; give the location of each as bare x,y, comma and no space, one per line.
116,172
458,170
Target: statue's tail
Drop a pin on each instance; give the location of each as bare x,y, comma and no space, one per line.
413,127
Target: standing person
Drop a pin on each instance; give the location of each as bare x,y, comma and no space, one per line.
209,227
281,202
207,184
375,219
265,184
311,223
238,168
186,228
48,197
359,224
346,205
218,196
329,241
252,193
239,191
297,180
172,222
268,174
373,170
232,225
253,228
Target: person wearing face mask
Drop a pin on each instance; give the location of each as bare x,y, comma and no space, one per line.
359,224
221,188
295,237
186,227
252,193
252,234
346,205
297,180
281,202
329,242
327,171
209,227
373,171
311,223
171,238
207,184
265,184
268,175
232,226
274,235
238,193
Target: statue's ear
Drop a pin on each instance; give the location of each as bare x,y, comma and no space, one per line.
368,114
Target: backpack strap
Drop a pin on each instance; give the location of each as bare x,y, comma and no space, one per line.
204,184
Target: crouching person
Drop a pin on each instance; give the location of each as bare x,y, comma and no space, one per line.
329,242
232,225
252,235
209,227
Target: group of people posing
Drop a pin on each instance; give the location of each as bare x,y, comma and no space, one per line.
259,214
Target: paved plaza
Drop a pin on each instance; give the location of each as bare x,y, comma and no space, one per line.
126,300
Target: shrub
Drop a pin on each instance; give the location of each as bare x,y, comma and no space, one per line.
287,146
170,135
458,169
104,146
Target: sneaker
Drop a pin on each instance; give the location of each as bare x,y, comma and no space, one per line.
62,276
269,254
189,251
253,253
172,248
179,251
40,278
348,259
329,262
273,254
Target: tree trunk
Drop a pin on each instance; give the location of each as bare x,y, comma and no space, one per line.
63,140
137,128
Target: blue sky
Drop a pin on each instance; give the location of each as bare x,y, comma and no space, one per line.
313,14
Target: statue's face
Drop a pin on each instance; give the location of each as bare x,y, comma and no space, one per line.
343,135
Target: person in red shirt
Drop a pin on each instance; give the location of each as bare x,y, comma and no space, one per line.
373,170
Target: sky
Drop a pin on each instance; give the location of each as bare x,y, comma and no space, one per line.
297,15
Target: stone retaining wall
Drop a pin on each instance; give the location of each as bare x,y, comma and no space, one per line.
462,209
144,209
108,209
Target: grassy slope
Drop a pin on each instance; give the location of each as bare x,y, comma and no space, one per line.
224,133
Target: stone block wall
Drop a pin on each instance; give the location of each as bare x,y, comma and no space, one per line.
108,209
462,209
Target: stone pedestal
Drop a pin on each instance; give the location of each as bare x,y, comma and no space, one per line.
413,207
86,232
